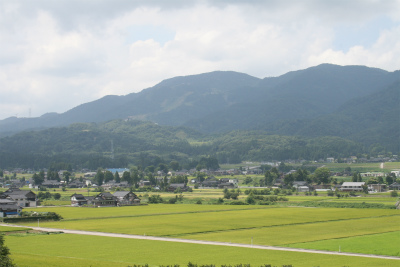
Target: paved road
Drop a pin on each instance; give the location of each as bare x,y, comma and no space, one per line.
168,239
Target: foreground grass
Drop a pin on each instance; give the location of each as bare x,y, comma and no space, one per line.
74,250
378,244
5,229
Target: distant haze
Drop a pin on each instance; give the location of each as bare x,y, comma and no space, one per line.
56,55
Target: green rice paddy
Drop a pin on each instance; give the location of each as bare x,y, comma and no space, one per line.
74,250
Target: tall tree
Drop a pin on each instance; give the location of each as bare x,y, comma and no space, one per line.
66,176
99,177
38,179
5,260
117,178
108,176
174,165
322,175
126,176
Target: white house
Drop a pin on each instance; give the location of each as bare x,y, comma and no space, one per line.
352,186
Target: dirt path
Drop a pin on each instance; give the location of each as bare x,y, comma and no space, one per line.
144,237
382,165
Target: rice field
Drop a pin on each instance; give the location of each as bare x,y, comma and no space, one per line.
74,250
378,244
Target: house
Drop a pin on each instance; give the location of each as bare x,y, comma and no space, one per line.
394,186
396,173
301,186
226,185
210,182
377,187
112,184
372,174
330,160
104,199
9,208
78,200
14,183
352,186
76,184
144,183
52,184
23,198
173,187
126,198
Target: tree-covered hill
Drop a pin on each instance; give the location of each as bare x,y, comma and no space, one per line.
90,145
327,110
224,100
373,120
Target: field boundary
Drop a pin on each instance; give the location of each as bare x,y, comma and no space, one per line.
201,242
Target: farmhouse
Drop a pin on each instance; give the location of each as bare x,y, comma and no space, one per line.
372,174
301,186
76,184
352,186
377,187
173,187
104,199
126,198
394,186
23,198
52,184
78,200
9,208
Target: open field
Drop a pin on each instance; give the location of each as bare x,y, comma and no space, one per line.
378,244
267,225
287,234
74,250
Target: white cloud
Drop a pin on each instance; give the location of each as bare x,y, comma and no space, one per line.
59,54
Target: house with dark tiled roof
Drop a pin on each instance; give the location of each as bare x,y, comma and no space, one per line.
173,187
78,200
104,199
9,208
126,198
24,198
52,184
76,184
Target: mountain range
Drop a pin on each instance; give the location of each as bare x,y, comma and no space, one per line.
357,103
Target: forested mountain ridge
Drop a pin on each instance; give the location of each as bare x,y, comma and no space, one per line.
326,110
371,119
224,100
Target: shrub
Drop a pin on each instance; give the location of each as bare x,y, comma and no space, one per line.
394,193
155,199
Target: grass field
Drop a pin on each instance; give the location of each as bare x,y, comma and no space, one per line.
378,244
74,250
267,225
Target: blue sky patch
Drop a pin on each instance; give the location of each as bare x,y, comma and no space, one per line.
347,36
159,34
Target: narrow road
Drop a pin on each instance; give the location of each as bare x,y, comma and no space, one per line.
168,239
382,165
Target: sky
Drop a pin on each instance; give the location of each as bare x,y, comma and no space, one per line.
55,55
